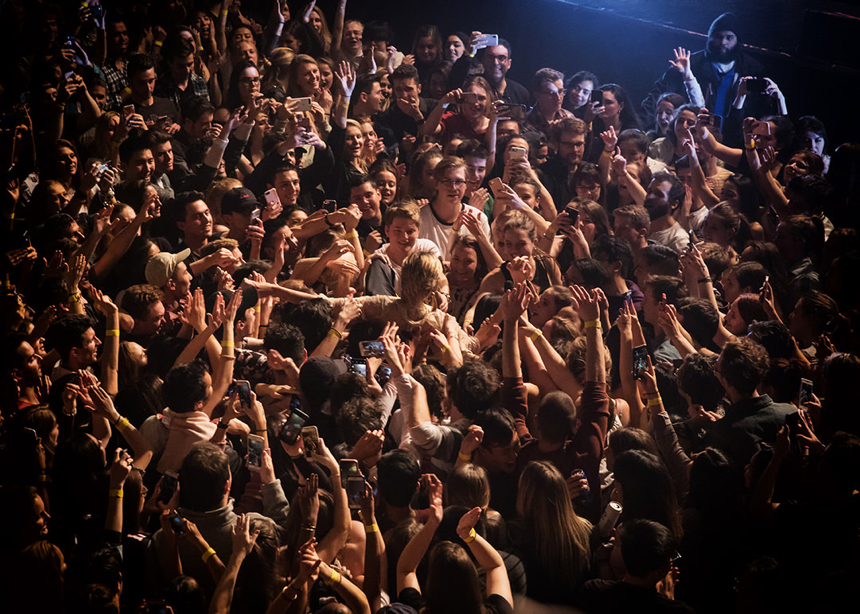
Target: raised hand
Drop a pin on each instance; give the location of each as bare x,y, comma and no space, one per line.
515,302
346,77
610,139
472,440
467,523
681,63
243,539
589,303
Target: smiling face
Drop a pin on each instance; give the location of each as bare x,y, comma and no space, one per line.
796,167
580,93
140,166
715,231
733,321
518,243
326,76
370,137
368,200
685,121
452,187
497,62
665,111
67,162
402,233
474,111
543,310
353,143
387,183
198,220
352,33
454,48
288,186
249,83
549,98
464,265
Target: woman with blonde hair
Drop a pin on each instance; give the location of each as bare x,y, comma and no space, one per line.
553,541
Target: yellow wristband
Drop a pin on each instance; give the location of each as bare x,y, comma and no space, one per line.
446,349
122,424
112,332
608,154
75,298
334,578
227,344
158,43
224,13
464,457
534,336
333,332
116,493
350,235
258,308
208,554
471,536
655,402
750,144
593,324
371,528
126,90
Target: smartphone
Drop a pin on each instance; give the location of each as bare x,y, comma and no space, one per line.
359,368
169,482
793,422
497,185
468,98
761,128
486,40
805,391
354,492
256,445
310,439
69,75
383,374
597,96
692,236
330,205
371,348
716,122
271,197
243,388
756,86
292,428
255,215
348,469
761,290
301,105
516,112
640,361
127,110
518,154
663,298
573,214
176,523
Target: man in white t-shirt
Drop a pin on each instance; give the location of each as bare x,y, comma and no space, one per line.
665,196
402,223
439,217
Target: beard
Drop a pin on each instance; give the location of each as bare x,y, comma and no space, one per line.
723,57
656,209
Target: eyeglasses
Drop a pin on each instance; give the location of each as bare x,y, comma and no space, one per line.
554,93
575,145
250,80
497,58
453,183
581,90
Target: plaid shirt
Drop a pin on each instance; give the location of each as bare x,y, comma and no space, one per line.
166,88
117,81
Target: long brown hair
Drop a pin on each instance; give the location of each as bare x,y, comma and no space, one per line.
560,537
452,583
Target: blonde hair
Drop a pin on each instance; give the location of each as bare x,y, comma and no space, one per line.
358,162
421,275
217,190
560,538
519,221
406,209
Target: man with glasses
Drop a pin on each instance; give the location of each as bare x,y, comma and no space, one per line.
549,92
556,173
497,63
443,215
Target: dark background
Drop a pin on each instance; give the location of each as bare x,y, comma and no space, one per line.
630,41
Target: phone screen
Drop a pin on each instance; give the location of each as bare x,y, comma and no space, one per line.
597,96
293,426
310,439
468,98
354,492
371,348
243,387
805,391
330,205
169,482
348,469
640,361
256,445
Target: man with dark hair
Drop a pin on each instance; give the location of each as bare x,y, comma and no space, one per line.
657,259
718,69
141,81
497,454
313,319
655,288
397,473
632,223
75,340
204,498
634,145
180,82
497,63
407,111
701,319
237,205
475,155
367,98
194,221
647,548
114,67
665,196
23,365
196,122
142,305
162,152
556,173
284,343
752,418
548,90
136,161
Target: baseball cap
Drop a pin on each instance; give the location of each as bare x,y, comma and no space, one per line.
161,267
239,200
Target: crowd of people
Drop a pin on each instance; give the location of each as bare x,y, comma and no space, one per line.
297,321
